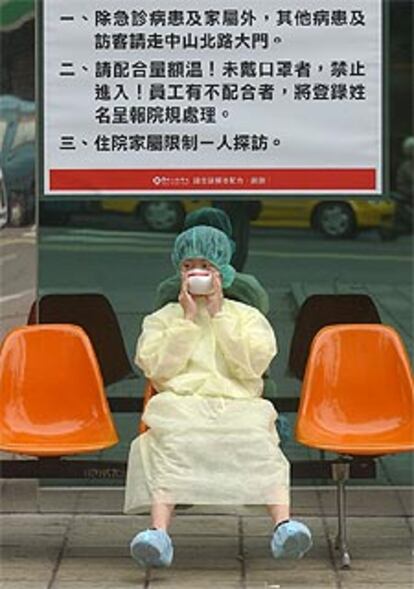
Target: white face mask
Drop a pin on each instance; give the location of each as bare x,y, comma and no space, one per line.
200,282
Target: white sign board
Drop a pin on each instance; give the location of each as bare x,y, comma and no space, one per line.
179,96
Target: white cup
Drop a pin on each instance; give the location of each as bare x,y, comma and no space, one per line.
200,283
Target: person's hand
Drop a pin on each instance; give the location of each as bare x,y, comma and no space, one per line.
186,300
214,301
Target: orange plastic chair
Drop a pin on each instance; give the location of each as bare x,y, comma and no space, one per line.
356,400
52,400
149,392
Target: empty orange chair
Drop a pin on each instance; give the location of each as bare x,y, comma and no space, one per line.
52,400
356,399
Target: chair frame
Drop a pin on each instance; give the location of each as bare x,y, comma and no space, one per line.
340,474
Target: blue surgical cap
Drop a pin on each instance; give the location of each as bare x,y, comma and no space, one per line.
211,217
208,243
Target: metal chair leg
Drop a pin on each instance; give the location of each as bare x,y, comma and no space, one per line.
340,473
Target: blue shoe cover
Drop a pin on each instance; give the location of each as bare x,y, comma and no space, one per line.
152,548
291,539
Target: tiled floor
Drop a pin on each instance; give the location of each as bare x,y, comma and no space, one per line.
78,539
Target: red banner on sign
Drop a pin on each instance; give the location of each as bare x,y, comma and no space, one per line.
218,179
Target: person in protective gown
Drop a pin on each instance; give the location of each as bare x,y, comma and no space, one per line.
244,288
212,437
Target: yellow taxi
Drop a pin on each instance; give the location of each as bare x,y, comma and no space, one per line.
334,217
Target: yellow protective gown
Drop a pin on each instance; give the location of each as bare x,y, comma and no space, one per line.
212,438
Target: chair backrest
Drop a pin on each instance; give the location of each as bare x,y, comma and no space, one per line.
357,395
94,313
320,310
52,400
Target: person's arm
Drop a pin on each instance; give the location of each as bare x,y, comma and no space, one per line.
246,340
165,344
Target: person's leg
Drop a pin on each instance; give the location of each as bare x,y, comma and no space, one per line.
161,515
153,547
278,513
